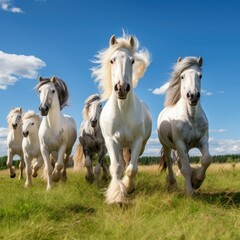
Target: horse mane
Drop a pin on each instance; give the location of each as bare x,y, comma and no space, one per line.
102,72
31,114
173,92
61,87
13,110
88,101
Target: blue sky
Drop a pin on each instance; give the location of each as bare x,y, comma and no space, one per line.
60,37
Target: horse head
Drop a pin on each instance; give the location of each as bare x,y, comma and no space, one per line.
47,91
16,117
30,123
191,82
122,61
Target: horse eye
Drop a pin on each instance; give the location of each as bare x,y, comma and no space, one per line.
200,75
182,77
112,60
133,61
53,91
32,123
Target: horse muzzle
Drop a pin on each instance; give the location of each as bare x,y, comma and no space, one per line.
44,109
93,123
14,126
122,90
25,133
193,98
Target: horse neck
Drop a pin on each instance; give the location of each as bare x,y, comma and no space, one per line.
123,105
33,137
54,114
192,111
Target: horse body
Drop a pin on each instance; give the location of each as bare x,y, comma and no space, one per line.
91,140
183,125
31,145
14,140
57,132
125,121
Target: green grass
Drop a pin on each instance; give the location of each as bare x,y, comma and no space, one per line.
76,210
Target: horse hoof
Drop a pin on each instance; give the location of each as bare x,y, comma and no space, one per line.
56,176
35,175
89,179
197,184
13,175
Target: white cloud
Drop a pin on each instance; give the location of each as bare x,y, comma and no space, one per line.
218,130
206,93
161,90
14,67
7,5
221,92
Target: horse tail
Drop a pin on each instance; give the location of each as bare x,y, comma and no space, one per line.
78,158
162,163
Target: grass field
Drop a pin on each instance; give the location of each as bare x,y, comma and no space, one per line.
76,210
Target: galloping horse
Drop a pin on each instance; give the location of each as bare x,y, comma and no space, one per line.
14,140
125,120
183,125
57,132
91,140
31,145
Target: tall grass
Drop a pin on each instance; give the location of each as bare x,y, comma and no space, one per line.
76,210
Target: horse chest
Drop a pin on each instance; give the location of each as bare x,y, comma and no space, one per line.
53,139
191,132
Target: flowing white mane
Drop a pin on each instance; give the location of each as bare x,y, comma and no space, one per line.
173,93
102,73
88,101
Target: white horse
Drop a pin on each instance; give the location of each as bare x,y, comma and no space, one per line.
31,145
57,132
183,125
91,141
14,140
125,121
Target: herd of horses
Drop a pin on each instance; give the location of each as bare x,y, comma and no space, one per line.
120,128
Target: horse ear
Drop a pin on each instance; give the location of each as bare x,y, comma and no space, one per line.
40,79
20,110
200,61
53,79
132,41
113,40
179,59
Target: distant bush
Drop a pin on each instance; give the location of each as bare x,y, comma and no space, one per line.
3,163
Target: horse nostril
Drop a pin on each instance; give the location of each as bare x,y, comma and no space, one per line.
198,94
116,88
188,95
93,123
14,125
128,87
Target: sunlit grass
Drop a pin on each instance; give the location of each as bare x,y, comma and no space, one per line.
76,210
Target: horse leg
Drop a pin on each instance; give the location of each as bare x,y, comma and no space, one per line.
198,174
116,192
186,169
28,171
131,170
10,165
21,166
37,165
171,181
88,163
56,174
97,169
48,166
106,173
64,170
